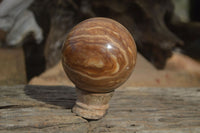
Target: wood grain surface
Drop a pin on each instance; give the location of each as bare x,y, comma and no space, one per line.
132,110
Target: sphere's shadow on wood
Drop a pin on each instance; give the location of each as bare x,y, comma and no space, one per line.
63,96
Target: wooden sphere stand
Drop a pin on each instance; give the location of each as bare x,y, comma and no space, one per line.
92,105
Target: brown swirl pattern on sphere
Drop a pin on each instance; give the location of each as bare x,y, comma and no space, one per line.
99,55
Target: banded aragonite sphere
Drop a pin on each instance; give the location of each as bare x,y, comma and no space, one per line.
98,55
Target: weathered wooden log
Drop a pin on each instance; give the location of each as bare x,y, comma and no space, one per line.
144,19
190,34
142,110
150,22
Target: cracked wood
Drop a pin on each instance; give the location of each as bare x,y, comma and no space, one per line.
140,110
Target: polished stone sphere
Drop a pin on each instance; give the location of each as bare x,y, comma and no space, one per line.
98,55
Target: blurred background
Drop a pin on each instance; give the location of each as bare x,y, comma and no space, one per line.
167,35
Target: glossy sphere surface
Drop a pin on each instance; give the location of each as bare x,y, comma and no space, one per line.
99,55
